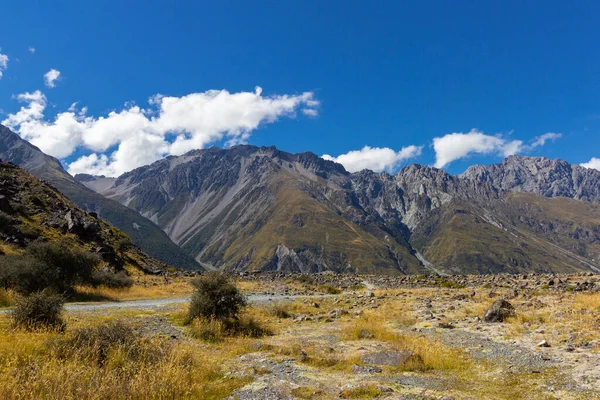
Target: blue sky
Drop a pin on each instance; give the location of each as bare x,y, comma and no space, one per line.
335,76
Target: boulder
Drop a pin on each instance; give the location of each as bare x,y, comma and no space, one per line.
499,311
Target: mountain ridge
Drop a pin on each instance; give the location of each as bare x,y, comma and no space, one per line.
190,196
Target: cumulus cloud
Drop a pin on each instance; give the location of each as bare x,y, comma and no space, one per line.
593,163
3,63
31,50
375,158
51,77
134,136
454,146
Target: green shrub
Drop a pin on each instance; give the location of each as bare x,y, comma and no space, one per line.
50,266
40,310
215,298
73,266
107,278
25,274
124,244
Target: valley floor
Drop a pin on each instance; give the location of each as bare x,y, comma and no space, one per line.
421,341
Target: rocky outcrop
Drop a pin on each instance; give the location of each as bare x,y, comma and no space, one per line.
539,175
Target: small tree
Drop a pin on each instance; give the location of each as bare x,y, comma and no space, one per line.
41,310
215,298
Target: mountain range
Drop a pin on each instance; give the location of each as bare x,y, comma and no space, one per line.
259,208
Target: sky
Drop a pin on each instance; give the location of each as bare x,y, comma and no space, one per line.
109,86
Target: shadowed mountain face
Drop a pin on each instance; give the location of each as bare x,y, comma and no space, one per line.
260,208
145,234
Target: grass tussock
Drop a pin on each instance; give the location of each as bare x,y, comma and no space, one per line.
369,391
279,310
217,330
106,362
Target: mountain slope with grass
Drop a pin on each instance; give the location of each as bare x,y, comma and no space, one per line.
31,211
143,233
260,208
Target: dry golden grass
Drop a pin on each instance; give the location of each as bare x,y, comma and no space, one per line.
434,355
29,369
145,287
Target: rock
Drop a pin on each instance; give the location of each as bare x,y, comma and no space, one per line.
543,343
390,357
446,325
365,334
303,356
365,369
499,311
369,294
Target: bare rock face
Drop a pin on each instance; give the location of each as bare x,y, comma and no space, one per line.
539,175
499,311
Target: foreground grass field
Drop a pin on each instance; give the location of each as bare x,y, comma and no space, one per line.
318,348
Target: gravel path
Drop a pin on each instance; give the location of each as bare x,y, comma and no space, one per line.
155,304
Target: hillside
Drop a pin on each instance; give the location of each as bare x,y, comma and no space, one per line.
260,208
31,210
143,233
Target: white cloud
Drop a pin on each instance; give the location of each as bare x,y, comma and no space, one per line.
541,140
310,112
31,50
375,158
51,77
454,146
3,63
593,163
137,136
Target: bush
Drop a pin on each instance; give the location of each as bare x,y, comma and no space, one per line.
40,310
47,266
73,266
107,278
5,298
215,298
123,245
